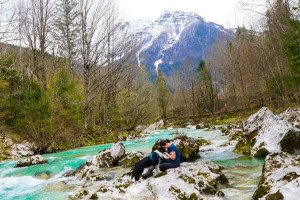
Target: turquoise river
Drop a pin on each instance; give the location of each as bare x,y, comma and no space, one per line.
47,183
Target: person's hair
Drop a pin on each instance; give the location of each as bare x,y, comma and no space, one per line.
164,142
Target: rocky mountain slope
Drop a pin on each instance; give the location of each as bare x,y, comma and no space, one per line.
172,38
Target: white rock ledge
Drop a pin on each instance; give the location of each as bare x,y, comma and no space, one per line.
189,181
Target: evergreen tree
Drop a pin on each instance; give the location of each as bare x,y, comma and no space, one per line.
291,43
162,95
30,116
66,100
67,29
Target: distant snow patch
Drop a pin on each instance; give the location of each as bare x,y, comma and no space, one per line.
158,62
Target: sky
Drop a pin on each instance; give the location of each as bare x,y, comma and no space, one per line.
229,13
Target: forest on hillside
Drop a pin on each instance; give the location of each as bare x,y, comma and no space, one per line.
67,74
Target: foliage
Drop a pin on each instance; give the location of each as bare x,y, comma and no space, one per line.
30,115
136,103
278,83
66,100
291,43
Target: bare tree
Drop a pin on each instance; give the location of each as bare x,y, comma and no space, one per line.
37,23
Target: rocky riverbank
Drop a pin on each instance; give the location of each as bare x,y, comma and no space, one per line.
264,133
10,149
278,138
190,181
280,178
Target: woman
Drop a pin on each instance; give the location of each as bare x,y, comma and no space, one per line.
173,160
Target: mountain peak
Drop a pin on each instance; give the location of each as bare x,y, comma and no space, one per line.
181,15
173,37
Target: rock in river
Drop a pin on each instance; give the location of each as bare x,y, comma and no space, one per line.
104,159
280,178
33,160
108,157
264,133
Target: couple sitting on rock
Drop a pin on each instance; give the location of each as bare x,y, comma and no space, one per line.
164,158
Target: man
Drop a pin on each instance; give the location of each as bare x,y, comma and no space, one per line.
173,160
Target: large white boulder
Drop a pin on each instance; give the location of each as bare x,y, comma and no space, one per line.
280,178
292,115
263,133
33,160
108,157
104,159
190,181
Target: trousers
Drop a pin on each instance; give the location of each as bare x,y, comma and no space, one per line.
168,165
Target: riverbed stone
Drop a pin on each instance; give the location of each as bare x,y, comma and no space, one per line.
280,177
202,125
264,133
74,172
202,142
233,130
44,175
189,181
291,142
33,160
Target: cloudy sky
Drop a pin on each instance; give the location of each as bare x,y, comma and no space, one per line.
229,13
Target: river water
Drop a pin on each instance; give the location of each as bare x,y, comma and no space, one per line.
46,181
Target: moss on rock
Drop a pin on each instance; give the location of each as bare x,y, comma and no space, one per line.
202,142
130,159
245,144
208,189
160,174
185,196
275,196
262,152
261,191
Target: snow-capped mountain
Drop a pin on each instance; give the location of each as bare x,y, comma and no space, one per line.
172,38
